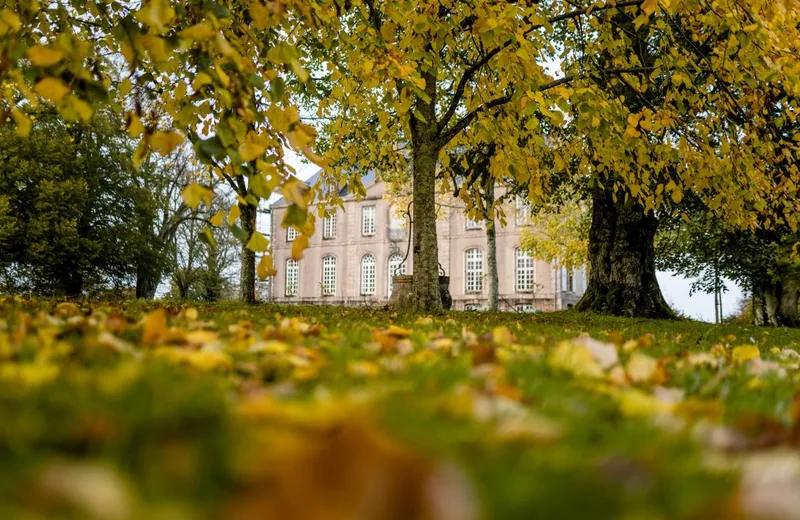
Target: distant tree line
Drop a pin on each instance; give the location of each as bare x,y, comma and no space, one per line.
77,218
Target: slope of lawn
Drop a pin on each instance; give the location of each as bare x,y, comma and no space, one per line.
176,411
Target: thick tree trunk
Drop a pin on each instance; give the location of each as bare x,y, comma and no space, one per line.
775,304
491,246
426,247
788,304
247,275
146,284
622,272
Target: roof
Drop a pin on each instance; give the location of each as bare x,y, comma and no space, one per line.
366,179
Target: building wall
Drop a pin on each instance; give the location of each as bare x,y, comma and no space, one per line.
349,246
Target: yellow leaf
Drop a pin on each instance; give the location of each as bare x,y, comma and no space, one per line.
52,88
502,336
76,109
42,56
198,32
155,326
296,192
258,242
745,353
259,15
193,194
158,14
135,126
252,147
191,313
265,268
23,123
9,22
233,215
576,359
399,332
641,368
649,6
299,245
165,142
363,368
216,220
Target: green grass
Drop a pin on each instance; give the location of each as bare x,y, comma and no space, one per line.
288,411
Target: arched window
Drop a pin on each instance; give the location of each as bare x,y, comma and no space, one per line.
395,262
525,271
473,270
329,275
292,277
368,274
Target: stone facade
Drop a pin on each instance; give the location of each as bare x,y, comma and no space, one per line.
350,249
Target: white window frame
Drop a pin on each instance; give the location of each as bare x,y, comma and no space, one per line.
525,307
292,277
368,274
472,307
395,261
291,234
524,271
369,218
473,270
328,275
473,224
329,227
522,210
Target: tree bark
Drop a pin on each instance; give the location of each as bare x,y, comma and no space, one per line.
247,275
491,246
622,272
426,147
426,247
775,304
146,284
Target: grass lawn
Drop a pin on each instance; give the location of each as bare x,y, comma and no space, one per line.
191,411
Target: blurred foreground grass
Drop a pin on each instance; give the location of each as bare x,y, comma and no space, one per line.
182,412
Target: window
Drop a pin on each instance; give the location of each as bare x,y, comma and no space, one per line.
525,272
368,225
474,224
330,187
567,280
329,226
292,277
368,274
291,234
396,266
329,275
474,270
522,211
472,307
525,307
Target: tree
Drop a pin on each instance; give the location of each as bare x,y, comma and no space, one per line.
70,196
656,94
762,262
215,71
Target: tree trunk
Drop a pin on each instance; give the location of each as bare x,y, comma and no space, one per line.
775,304
426,247
491,246
146,284
788,304
622,272
247,276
